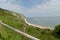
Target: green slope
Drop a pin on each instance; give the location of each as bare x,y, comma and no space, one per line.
18,23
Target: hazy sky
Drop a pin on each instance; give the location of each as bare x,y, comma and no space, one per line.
33,7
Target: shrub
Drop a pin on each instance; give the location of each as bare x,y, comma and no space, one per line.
57,31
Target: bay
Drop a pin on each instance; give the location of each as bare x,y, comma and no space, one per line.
44,21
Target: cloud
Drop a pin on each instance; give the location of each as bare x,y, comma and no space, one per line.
37,7
48,8
2,1
10,5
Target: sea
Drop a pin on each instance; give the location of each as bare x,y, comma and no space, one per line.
50,22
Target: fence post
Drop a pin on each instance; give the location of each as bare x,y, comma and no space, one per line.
23,37
0,27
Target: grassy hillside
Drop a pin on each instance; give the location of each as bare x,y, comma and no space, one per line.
9,18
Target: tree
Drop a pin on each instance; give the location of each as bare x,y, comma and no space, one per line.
57,30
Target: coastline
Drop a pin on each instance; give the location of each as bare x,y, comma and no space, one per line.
36,25
33,24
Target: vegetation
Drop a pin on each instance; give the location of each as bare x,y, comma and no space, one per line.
57,31
18,23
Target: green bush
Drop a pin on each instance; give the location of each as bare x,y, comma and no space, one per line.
57,31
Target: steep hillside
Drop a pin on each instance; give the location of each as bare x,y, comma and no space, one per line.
11,19
17,21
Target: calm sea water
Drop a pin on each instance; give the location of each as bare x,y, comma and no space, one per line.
44,21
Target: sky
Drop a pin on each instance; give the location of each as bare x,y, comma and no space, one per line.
33,8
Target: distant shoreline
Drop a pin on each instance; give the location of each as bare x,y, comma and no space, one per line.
36,25
32,24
